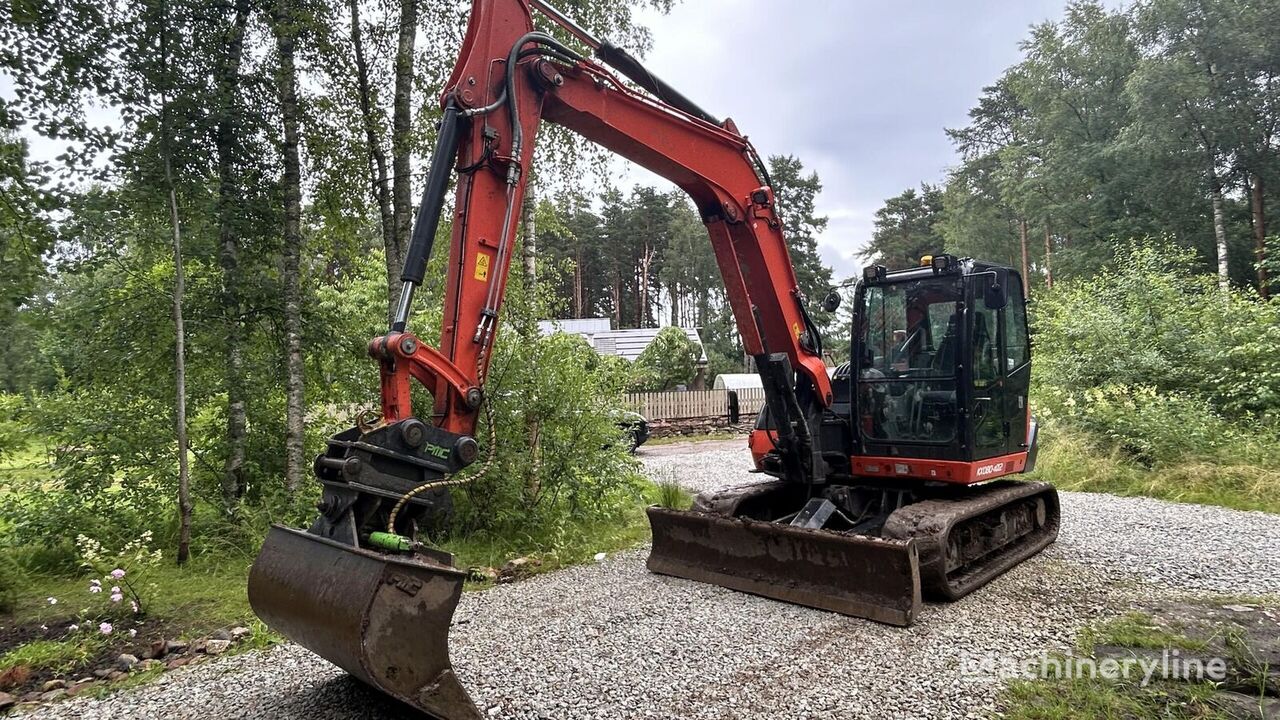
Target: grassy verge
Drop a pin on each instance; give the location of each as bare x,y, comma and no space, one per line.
1072,460
1187,632
698,437
1073,699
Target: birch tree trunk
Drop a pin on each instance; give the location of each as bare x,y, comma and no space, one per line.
286,30
402,151
1022,239
377,160
1220,234
529,207
577,280
1048,256
227,142
1257,204
185,507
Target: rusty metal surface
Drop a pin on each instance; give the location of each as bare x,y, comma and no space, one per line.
853,575
382,618
967,541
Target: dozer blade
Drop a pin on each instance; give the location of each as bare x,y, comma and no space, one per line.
856,575
382,618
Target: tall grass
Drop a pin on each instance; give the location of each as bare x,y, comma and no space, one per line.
1240,478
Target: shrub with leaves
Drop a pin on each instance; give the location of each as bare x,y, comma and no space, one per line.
13,434
560,458
119,575
1156,320
670,360
1153,356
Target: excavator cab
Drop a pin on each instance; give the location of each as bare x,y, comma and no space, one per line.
944,364
928,419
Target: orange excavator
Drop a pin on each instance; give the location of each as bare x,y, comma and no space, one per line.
885,481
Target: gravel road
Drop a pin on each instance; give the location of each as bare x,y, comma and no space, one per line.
610,640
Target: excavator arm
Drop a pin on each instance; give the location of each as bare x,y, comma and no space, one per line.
508,79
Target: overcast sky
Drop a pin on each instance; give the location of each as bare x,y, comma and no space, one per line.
860,91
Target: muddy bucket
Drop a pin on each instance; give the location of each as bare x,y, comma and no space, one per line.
382,618
855,575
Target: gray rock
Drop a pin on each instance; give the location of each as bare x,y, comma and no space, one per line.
216,647
7,701
53,685
79,687
239,632
126,660
57,694
1238,706
176,646
221,635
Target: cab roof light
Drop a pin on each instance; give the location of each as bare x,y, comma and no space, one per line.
871,273
942,263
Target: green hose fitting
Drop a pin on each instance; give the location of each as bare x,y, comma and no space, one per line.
390,541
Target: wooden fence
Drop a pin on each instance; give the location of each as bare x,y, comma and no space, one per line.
696,404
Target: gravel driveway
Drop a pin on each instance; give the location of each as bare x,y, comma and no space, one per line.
610,640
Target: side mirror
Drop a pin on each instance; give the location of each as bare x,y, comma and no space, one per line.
995,296
831,301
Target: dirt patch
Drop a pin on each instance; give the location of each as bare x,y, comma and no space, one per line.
101,659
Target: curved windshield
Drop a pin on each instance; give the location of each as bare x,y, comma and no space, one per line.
908,341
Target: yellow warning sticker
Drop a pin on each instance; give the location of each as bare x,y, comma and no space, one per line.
482,267
795,328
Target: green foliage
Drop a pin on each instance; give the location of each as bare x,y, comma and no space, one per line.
560,460
1150,380
1073,458
1121,123
1137,630
54,655
13,433
672,495
12,581
1152,334
670,360
1097,698
795,193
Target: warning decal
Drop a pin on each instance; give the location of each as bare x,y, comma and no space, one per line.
482,267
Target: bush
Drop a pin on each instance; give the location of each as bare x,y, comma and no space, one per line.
561,462
1153,321
670,360
1150,426
13,434
12,581
1073,459
1151,380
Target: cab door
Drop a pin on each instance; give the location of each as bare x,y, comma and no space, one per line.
1017,363
989,431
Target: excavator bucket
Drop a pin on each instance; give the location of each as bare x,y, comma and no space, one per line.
858,575
382,618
